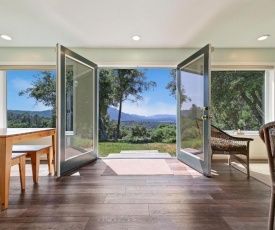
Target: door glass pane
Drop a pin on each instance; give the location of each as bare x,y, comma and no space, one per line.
191,107
79,109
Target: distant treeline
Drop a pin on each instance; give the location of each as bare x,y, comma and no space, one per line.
151,125
28,119
131,131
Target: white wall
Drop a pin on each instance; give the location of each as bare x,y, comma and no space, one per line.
257,148
136,57
140,58
3,101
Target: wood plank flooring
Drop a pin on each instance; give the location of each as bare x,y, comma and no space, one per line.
185,200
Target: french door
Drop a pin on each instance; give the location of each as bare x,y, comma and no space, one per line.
193,111
76,110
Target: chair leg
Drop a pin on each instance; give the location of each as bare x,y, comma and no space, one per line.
22,170
271,211
50,159
35,161
247,167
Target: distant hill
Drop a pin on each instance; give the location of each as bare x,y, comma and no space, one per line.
133,117
44,113
113,115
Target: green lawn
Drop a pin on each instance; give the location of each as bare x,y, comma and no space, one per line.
194,143
106,148
115,147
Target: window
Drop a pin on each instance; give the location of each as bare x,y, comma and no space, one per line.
238,99
30,98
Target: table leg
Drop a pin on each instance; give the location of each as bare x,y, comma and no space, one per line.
35,161
5,167
50,159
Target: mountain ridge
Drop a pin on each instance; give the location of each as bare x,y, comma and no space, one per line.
113,113
43,113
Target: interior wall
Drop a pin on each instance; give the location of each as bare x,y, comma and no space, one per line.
136,57
3,101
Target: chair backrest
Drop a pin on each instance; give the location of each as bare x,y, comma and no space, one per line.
215,132
267,134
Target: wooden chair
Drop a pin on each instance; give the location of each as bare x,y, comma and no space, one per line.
267,134
34,152
20,159
223,143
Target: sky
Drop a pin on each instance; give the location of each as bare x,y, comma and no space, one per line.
18,80
155,101
193,85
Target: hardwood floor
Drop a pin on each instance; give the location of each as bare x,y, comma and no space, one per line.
185,200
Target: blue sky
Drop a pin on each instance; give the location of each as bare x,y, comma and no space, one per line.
155,101
194,87
18,80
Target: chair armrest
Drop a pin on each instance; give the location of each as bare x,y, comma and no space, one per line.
241,138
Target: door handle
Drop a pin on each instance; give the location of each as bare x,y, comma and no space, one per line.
206,117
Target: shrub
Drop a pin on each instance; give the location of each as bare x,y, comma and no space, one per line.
165,133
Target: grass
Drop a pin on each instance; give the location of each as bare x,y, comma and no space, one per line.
106,148
81,142
194,143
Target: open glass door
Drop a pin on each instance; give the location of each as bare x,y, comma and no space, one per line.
76,110
193,111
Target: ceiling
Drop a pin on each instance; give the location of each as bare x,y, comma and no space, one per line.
160,23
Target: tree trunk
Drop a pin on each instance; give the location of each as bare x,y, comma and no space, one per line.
257,100
102,132
118,119
253,107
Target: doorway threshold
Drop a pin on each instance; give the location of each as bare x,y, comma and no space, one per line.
138,154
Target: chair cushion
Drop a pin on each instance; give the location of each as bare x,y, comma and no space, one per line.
227,145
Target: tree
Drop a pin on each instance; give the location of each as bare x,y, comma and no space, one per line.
165,133
172,87
105,100
44,90
109,127
138,131
195,112
237,99
128,84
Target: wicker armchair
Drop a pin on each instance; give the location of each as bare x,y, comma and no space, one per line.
222,143
267,134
